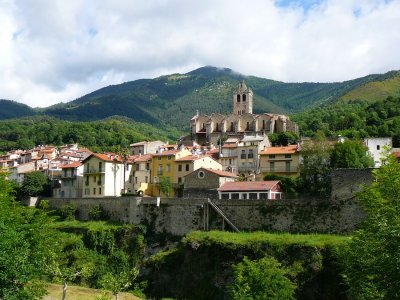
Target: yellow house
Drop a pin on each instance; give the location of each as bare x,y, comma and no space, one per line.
163,172
283,161
190,163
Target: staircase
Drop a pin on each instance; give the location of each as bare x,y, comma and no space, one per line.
220,212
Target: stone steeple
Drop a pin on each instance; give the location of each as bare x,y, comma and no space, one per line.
243,100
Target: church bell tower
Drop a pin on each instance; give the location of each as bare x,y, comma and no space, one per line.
243,100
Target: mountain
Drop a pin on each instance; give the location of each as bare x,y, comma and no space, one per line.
174,99
10,109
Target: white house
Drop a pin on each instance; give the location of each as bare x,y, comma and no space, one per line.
376,146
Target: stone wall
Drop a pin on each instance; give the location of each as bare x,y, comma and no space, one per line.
179,216
346,183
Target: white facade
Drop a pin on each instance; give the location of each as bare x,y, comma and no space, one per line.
376,147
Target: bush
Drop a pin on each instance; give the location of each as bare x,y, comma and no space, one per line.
261,279
68,211
95,213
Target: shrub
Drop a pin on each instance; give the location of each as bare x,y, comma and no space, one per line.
96,212
68,211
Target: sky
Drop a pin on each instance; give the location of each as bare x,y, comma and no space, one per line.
54,51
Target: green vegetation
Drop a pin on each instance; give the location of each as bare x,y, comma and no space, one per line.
261,279
25,255
354,119
34,184
81,293
203,264
351,154
105,135
11,109
372,258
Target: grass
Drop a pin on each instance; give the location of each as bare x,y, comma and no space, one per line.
235,240
81,293
89,225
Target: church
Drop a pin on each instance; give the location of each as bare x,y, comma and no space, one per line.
209,129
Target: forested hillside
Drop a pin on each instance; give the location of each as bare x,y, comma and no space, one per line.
11,109
108,134
355,119
174,99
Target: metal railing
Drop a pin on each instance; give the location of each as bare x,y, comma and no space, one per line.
220,212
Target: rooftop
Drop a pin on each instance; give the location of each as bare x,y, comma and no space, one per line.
239,186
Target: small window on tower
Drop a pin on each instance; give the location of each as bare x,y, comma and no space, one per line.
238,98
244,97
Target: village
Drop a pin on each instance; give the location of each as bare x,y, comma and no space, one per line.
223,157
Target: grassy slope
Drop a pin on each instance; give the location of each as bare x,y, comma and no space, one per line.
239,240
81,293
374,91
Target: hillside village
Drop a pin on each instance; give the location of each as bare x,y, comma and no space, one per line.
225,157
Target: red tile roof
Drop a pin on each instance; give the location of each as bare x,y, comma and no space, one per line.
74,164
105,157
220,173
280,150
246,186
145,157
168,152
230,145
191,158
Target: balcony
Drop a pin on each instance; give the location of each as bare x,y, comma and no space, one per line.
94,171
279,170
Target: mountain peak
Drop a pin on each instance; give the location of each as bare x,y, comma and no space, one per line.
210,71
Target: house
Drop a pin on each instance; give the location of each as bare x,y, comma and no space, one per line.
248,149
163,171
71,181
205,182
252,190
145,147
229,155
283,161
376,147
104,175
141,175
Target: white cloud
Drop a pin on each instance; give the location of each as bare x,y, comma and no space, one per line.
54,51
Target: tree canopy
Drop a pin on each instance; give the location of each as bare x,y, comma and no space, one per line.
372,260
351,154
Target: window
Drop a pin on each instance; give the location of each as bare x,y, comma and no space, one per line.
250,155
272,166
201,175
87,191
94,191
243,155
287,166
168,168
100,166
238,98
253,196
230,161
169,157
130,178
232,128
99,191
378,147
263,126
247,126
159,157
146,179
87,168
179,168
99,181
244,97
155,179
235,196
135,180
288,156
272,156
187,167
179,179
160,171
147,166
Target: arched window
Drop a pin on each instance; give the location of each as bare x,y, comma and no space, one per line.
232,126
263,124
248,126
238,98
244,97
217,127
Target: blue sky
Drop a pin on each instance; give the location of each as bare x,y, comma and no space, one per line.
53,51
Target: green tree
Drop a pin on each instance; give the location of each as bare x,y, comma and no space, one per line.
351,154
118,282
372,259
315,168
165,186
261,279
25,247
283,138
34,184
